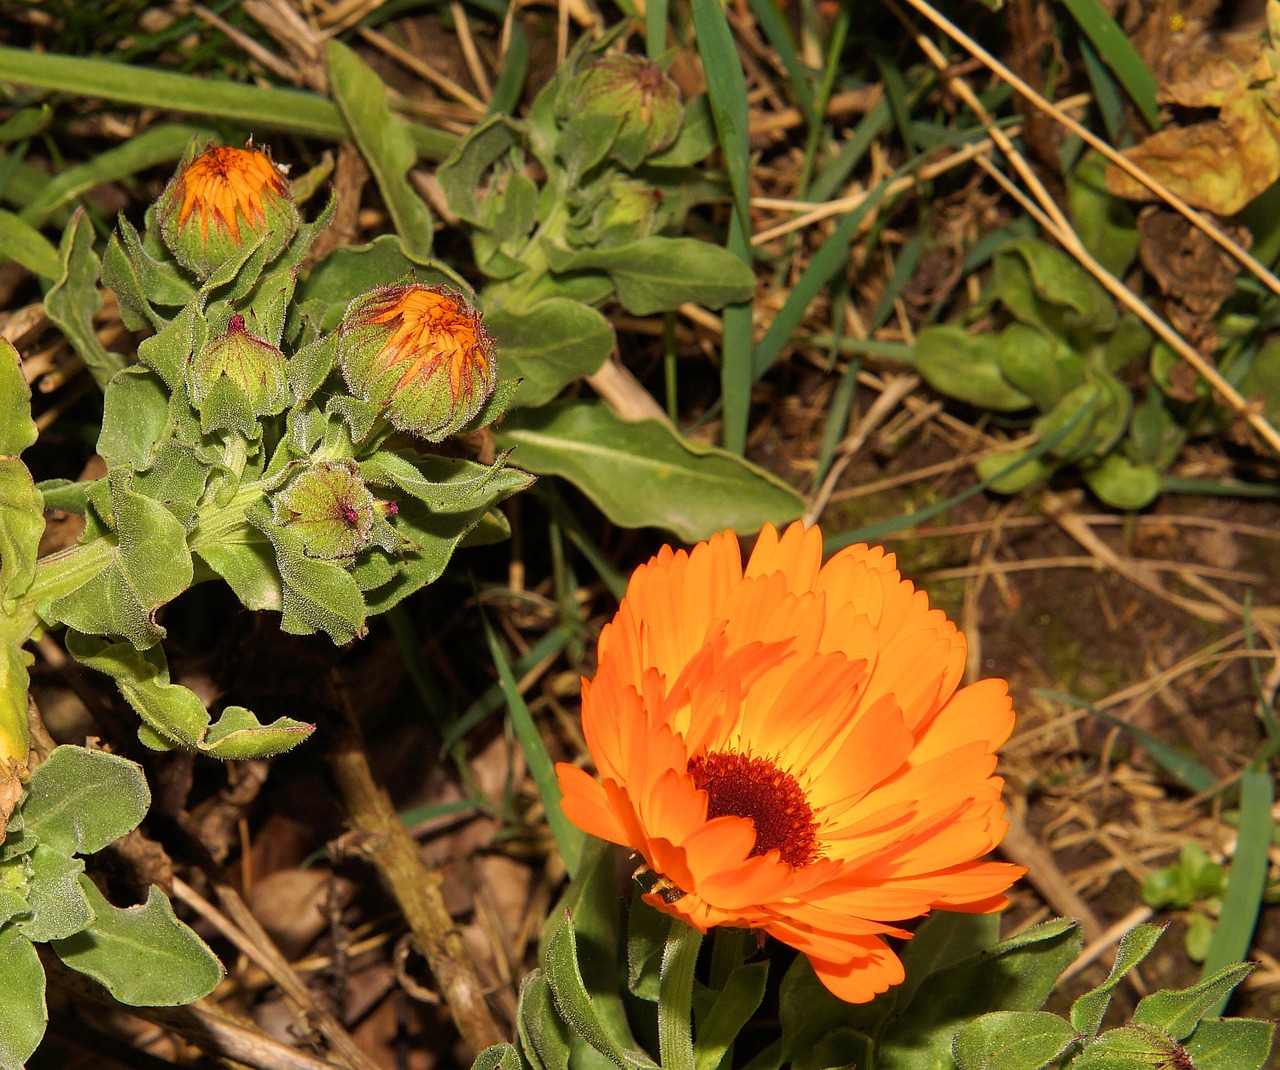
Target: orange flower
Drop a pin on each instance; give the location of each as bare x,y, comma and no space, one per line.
219,194
422,352
786,749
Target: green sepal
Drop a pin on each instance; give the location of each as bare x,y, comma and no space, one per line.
143,955
169,350
317,595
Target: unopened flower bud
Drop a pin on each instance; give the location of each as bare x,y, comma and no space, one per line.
223,198
332,510
637,89
421,352
252,365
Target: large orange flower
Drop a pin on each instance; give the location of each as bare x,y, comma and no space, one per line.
786,749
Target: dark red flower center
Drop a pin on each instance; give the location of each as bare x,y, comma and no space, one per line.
742,786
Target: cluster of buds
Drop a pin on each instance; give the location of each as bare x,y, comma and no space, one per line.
418,352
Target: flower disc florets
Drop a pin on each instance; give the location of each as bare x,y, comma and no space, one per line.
420,352
786,748
219,200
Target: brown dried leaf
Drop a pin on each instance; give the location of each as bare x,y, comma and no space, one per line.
1219,166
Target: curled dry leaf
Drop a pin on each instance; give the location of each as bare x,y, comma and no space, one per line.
1222,164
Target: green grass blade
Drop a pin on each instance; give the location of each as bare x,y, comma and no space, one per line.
778,34
1183,768
515,69
569,838
1118,54
1247,879
160,144
1106,94
727,93
655,27
255,107
737,365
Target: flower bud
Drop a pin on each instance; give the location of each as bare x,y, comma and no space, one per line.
332,510
421,353
251,364
222,199
637,89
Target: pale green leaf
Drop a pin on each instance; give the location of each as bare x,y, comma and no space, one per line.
58,904
143,955
644,473
1231,1044
22,1010
75,298
1012,1040
81,800
24,244
549,346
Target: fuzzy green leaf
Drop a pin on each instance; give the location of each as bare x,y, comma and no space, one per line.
658,274
1231,1044
135,412
350,271
460,174
542,1034
1012,1040
143,955
21,506
549,346
1087,1011
22,1010
81,800
1178,1013
58,904
75,299
249,567
499,1057
644,473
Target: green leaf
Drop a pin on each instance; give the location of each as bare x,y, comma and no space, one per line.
942,940
81,800
1178,1013
460,175
735,1004
352,270
549,346
22,1010
1016,974
385,144
143,955
238,734
809,1013
647,931
1231,1044
26,245
568,837
58,904
1103,221
149,566
21,505
1129,1047
1087,1011
967,367
1012,1040
140,281
249,567
575,1004
656,274
135,413
255,107
542,1034
74,298
1043,286
644,473
1123,484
